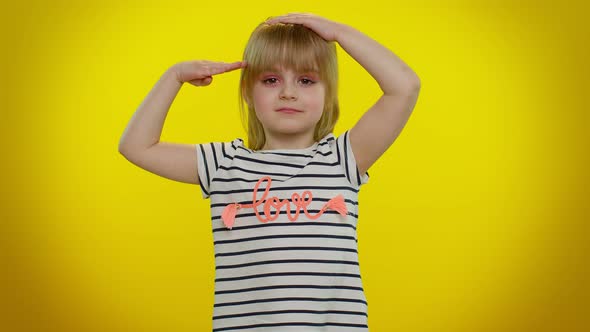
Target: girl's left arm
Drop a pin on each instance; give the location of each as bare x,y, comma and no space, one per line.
379,126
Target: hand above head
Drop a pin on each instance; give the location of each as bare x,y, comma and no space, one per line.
325,28
200,72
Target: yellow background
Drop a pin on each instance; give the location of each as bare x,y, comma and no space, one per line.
474,220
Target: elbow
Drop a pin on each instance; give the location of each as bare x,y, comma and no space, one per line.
413,86
414,82
123,149
411,79
409,85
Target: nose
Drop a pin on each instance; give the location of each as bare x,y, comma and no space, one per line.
288,92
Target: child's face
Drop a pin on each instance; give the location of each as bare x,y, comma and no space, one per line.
285,88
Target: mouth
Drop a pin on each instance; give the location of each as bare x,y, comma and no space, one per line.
288,110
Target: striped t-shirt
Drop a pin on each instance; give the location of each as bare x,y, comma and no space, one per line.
296,270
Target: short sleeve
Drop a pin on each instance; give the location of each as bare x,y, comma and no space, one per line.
210,157
348,162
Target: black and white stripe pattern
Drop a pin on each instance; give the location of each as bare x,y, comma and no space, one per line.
283,275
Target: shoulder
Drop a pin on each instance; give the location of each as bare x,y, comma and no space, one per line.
222,148
346,159
339,143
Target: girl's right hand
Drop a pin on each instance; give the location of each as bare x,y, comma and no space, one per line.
200,72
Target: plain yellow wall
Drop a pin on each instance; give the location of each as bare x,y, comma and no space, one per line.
474,220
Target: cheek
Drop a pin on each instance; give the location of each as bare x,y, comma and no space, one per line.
260,100
263,107
317,100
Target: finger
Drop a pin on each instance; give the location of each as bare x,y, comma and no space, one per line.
295,19
202,81
289,15
206,81
228,67
237,64
214,69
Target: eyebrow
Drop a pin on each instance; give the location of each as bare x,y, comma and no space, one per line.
312,75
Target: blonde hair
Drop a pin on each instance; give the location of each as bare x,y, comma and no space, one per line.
298,48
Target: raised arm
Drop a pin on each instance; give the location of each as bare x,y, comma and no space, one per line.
140,142
379,126
145,127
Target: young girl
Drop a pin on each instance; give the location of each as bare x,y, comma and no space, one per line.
284,208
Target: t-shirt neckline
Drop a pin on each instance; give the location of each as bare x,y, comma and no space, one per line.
307,149
288,150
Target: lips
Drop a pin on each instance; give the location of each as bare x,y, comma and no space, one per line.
288,110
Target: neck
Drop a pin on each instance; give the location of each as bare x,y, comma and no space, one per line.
288,141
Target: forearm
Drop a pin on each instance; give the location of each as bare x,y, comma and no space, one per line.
390,72
145,127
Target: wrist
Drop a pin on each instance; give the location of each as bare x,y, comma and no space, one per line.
342,31
174,74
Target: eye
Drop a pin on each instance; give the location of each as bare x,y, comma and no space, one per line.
309,82
269,79
273,80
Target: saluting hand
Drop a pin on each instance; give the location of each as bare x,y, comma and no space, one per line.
200,72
